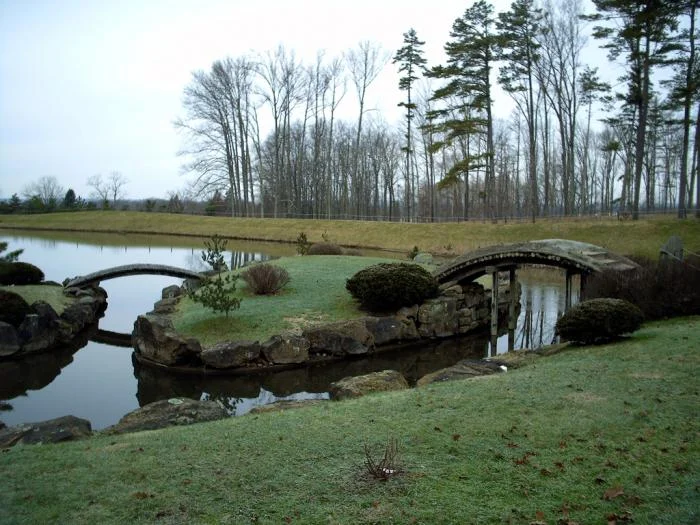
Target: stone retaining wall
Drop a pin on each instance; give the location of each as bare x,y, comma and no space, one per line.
458,310
45,330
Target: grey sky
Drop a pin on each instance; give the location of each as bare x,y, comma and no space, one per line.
90,87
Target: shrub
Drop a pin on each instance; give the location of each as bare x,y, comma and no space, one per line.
265,278
302,244
412,254
660,289
214,253
324,248
13,308
217,294
599,320
388,286
20,273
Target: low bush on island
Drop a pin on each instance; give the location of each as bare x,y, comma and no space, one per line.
20,273
389,286
265,278
599,320
13,308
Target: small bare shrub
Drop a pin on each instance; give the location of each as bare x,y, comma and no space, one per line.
385,467
324,248
265,278
660,289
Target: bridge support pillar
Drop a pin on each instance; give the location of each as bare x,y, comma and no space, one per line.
494,309
568,290
511,308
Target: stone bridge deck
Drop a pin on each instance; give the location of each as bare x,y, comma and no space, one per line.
132,269
573,256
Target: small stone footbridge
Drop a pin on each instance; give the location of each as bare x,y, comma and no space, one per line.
573,256
132,269
577,258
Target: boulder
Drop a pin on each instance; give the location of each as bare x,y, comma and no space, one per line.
438,317
9,340
66,428
409,312
391,329
155,338
36,333
286,349
341,338
231,354
423,258
165,306
167,413
279,406
473,294
170,292
78,315
383,381
464,369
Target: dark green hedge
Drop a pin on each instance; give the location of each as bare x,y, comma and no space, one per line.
599,320
389,286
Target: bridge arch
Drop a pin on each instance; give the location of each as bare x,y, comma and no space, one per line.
573,256
132,269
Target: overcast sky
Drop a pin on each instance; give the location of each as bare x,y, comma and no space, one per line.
90,86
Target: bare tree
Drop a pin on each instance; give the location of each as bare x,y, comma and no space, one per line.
46,189
108,190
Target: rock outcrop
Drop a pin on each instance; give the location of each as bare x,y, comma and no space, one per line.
155,338
45,329
464,369
231,354
384,381
166,413
66,428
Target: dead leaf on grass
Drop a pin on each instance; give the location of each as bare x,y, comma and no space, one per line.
613,493
142,495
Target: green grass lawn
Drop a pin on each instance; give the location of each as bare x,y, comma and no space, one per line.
589,435
51,294
642,237
316,293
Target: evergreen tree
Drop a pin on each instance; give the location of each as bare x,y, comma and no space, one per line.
519,30
466,97
411,63
69,200
638,30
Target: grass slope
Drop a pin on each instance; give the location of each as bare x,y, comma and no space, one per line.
642,237
316,293
591,435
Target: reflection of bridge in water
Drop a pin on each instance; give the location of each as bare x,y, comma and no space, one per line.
107,337
132,269
576,258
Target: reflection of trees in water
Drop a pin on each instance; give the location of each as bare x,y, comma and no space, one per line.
543,305
35,371
235,259
259,388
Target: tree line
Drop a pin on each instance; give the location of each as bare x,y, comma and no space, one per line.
451,158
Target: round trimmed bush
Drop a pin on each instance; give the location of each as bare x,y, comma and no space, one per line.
20,273
324,248
389,286
13,308
599,320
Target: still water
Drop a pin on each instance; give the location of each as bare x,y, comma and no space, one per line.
101,383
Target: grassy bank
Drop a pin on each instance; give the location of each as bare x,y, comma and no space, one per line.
51,294
591,435
643,237
297,306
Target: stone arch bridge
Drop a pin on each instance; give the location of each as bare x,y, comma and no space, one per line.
132,269
577,258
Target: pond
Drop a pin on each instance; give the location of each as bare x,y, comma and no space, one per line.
100,382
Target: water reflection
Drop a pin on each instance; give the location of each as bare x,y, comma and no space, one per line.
243,392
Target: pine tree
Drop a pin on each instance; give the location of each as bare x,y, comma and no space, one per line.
466,98
639,31
519,30
411,64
